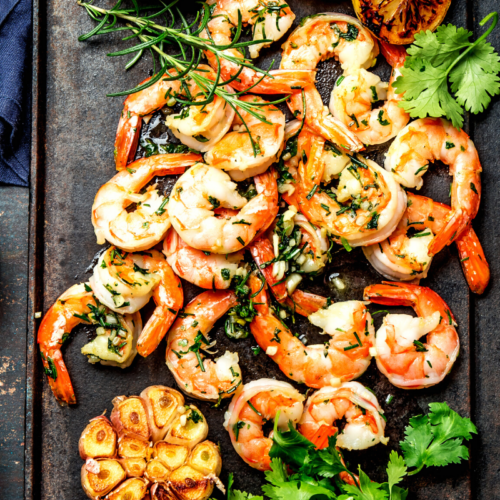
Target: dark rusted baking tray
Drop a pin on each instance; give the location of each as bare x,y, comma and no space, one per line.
74,124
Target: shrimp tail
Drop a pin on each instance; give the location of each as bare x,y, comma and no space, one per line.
321,436
169,299
305,303
404,294
473,261
58,377
459,220
395,55
262,252
127,138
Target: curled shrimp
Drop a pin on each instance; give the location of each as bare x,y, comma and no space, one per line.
355,93
114,345
197,376
269,21
346,356
147,224
324,409
198,126
124,282
402,357
213,271
253,145
318,38
406,257
256,403
429,139
201,190
363,209
291,248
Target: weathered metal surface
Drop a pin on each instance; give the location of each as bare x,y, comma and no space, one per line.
13,298
73,156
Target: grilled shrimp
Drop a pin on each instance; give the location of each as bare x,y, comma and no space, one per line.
429,139
346,356
257,402
291,248
147,224
199,127
125,282
365,207
402,357
406,257
114,345
197,376
355,93
318,38
235,152
201,190
270,20
213,271
325,408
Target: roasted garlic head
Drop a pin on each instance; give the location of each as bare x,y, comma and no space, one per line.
153,446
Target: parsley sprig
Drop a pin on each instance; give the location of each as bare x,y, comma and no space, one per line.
445,73
435,439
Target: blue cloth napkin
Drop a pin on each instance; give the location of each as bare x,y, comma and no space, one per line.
15,90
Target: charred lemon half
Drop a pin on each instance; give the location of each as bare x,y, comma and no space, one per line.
397,21
152,447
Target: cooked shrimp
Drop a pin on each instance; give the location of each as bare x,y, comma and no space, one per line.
355,93
125,282
199,127
271,20
345,357
365,207
429,139
258,402
364,426
213,271
197,376
114,344
406,257
318,38
407,362
146,226
202,189
293,247
235,153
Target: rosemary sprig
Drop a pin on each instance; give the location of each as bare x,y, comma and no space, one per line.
155,37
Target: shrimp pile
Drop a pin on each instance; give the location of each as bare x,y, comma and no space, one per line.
252,219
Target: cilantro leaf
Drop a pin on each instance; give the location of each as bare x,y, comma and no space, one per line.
436,439
396,470
290,446
475,78
295,487
368,490
327,462
444,73
237,494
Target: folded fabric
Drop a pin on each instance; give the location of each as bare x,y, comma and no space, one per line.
15,90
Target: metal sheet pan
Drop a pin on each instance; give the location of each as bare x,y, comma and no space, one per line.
73,134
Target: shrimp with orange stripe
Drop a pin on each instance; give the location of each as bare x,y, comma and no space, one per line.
407,359
325,409
363,209
318,38
145,226
114,345
256,403
404,256
344,358
197,126
426,140
124,282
